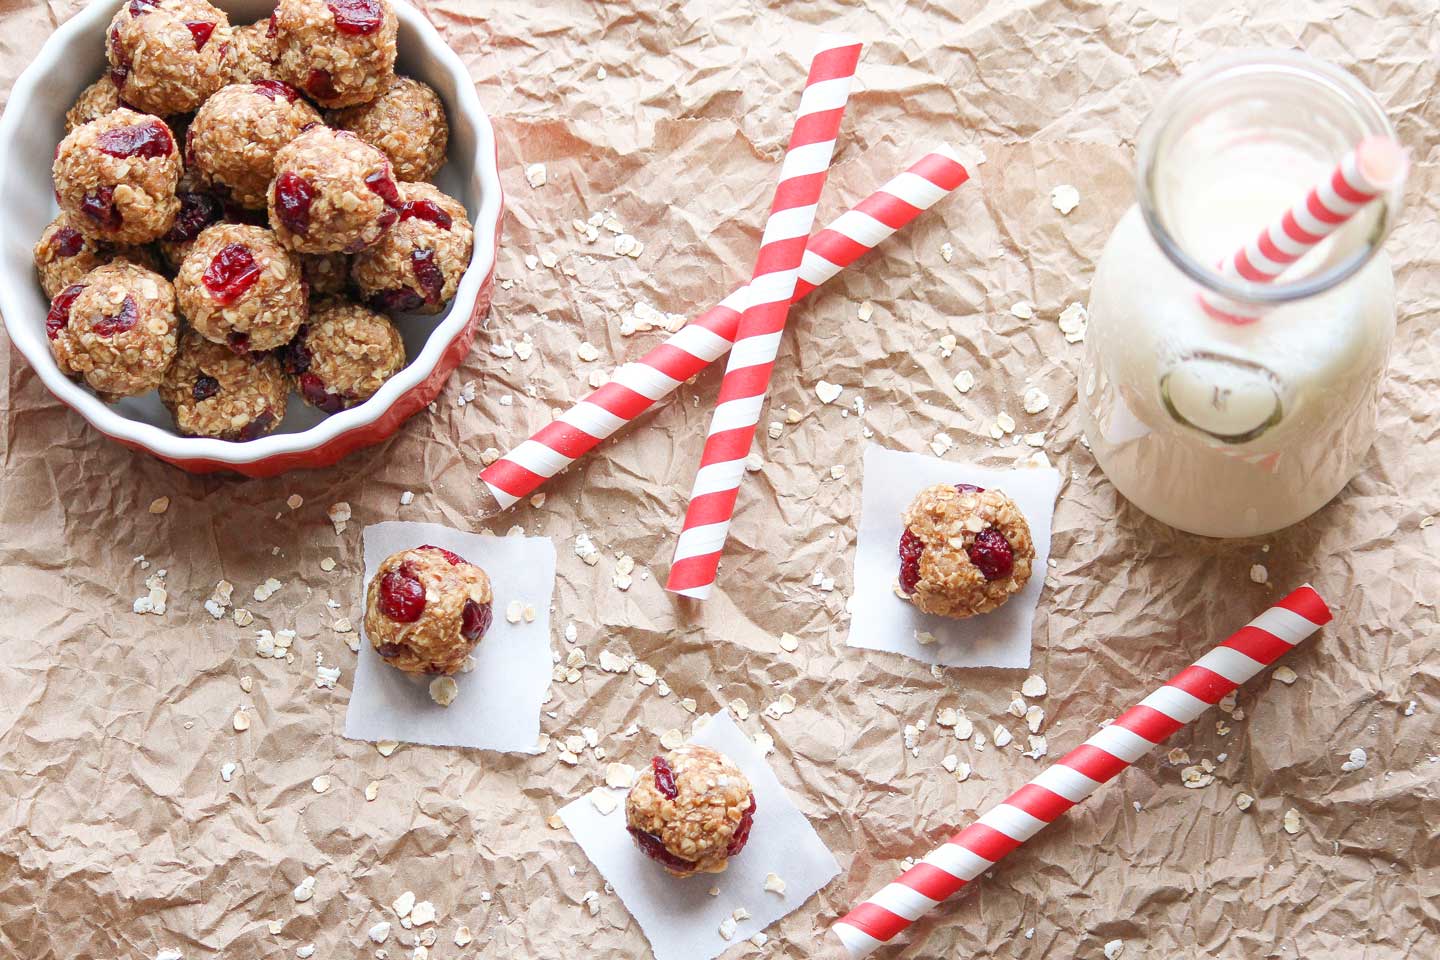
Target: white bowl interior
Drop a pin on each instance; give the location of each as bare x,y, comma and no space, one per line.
34,123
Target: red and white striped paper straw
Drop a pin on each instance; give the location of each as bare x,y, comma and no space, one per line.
1377,165
757,338
1080,773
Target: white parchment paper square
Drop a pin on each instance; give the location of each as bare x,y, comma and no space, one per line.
499,703
880,620
680,917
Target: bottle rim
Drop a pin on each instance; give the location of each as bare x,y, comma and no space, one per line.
1339,84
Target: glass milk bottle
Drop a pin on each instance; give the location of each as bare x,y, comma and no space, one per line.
1237,429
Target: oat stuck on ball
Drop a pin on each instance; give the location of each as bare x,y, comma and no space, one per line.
115,177
691,811
255,52
965,550
169,56
116,329
426,609
214,392
232,143
342,355
94,102
64,255
416,267
340,52
238,286
332,193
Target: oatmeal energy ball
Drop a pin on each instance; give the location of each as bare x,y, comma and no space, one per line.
327,273
426,609
239,287
342,355
340,52
94,102
116,329
255,51
233,140
169,56
407,122
965,550
115,177
64,255
418,264
691,811
332,192
214,392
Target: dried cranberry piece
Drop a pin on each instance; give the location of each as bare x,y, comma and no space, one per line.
389,650
313,389
148,140
430,277
259,426
293,197
654,848
271,28
68,241
664,777
474,620
231,274
992,554
426,210
99,205
402,597
197,211
911,547
396,301
238,342
968,488
321,85
387,220
451,557
358,18
382,183
295,356
59,315
274,90
205,388
111,324
742,831
119,60
200,30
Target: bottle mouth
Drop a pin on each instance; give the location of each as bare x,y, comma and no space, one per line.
1336,113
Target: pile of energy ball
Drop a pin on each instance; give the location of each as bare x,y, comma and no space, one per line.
274,250
428,608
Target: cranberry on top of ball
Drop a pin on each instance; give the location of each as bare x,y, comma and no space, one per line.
964,550
426,609
417,266
332,193
691,811
168,56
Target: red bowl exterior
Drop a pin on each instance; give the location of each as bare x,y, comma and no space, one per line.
405,406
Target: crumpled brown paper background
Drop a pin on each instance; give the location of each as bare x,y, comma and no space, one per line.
118,837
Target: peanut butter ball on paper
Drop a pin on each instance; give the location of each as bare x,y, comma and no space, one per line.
426,609
965,550
691,811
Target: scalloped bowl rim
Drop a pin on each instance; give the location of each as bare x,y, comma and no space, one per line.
81,28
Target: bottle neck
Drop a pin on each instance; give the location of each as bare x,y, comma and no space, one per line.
1232,146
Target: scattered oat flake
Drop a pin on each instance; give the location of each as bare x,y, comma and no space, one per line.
535,175
1258,573
789,642
1064,198
1244,801
828,392
241,722
489,455
671,739
1003,737
620,776
422,913
591,899
514,611
444,690
1291,822
159,504
941,444
1035,400
407,497
267,589
962,771
463,936
924,637
1073,321
727,928
1034,686
947,251
372,790
227,771
1022,309
386,747
304,891
603,801
865,311
964,381
1114,948
339,514
380,932
1034,717
320,784
740,708
1285,675
1358,759
404,904
1427,522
